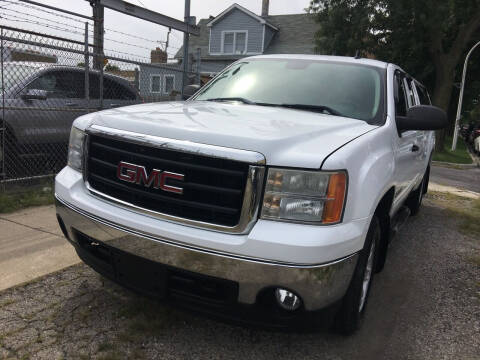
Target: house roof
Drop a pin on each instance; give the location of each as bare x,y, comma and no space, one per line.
295,35
246,11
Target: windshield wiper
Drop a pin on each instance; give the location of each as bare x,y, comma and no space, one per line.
319,108
241,99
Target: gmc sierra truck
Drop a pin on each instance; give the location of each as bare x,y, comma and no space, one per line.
269,196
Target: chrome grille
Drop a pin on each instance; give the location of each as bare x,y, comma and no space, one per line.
219,193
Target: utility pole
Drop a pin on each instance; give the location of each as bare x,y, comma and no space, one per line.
168,40
198,65
185,46
98,16
460,99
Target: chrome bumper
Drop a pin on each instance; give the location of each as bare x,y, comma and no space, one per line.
317,285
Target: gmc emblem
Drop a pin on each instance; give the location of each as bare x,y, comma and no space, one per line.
137,174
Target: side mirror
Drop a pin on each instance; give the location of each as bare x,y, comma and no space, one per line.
35,94
189,90
422,117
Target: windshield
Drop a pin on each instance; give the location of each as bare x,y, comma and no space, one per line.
14,74
352,90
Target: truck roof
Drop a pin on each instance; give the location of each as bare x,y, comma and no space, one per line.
344,59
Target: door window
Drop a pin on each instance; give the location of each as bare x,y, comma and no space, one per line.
400,96
115,90
422,95
61,84
409,91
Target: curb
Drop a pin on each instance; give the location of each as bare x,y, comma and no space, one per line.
456,165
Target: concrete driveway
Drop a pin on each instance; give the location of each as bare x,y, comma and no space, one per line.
32,245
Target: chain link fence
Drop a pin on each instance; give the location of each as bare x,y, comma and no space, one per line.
48,81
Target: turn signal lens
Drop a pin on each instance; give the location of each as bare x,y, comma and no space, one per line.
332,212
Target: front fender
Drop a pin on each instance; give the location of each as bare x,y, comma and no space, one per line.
370,163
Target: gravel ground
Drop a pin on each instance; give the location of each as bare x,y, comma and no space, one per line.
424,305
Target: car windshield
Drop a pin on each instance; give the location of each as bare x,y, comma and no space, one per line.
14,74
351,90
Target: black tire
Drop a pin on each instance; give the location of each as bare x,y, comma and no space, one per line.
414,201
352,311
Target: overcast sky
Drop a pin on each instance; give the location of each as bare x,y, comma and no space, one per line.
18,14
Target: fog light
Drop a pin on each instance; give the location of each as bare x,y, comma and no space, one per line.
287,299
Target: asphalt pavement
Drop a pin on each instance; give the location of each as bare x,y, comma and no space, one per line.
466,179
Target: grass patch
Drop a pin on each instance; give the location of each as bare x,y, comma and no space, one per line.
6,302
106,346
459,156
113,355
466,210
10,202
469,218
146,317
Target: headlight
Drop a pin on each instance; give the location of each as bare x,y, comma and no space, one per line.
304,196
75,149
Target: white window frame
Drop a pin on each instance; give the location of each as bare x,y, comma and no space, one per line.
165,83
151,83
234,32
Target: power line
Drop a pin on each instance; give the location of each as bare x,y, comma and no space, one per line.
141,3
76,20
74,27
44,19
37,8
26,20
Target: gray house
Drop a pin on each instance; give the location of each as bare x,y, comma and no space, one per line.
237,32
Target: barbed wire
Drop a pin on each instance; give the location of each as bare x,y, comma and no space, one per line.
42,18
54,24
25,20
65,24
77,20
37,8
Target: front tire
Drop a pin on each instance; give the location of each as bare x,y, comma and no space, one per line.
350,316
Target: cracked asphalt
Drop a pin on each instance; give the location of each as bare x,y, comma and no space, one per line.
424,305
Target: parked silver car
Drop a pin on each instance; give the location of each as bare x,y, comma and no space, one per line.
41,102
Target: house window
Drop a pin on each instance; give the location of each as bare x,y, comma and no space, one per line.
234,42
168,84
155,83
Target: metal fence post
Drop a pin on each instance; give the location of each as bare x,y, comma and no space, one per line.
87,69
198,65
3,123
137,79
185,47
100,82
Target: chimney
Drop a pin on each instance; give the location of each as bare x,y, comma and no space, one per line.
265,8
158,56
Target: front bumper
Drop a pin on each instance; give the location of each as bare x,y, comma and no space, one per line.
317,285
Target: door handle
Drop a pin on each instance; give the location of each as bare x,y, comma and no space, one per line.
415,148
114,105
71,104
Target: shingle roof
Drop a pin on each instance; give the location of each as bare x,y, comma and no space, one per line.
296,35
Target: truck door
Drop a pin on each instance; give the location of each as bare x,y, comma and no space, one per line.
408,146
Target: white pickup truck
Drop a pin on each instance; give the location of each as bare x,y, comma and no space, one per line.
269,195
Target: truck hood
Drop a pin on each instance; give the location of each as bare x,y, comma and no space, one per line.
286,137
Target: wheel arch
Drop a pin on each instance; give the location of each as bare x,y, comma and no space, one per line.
382,211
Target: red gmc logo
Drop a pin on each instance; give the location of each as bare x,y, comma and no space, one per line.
137,174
